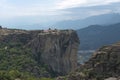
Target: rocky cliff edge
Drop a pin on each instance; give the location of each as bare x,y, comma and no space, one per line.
55,48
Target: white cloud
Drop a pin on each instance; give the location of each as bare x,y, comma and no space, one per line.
98,12
70,3
53,10
8,10
64,4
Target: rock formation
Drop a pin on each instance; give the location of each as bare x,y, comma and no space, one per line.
106,61
104,64
57,49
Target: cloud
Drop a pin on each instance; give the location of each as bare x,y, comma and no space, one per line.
99,12
64,4
70,3
35,11
88,11
9,9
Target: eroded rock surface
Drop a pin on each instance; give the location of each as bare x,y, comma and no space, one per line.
55,48
58,50
103,65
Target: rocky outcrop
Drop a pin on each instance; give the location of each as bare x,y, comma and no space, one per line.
106,61
104,64
55,48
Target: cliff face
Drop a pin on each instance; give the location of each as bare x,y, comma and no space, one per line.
105,63
56,49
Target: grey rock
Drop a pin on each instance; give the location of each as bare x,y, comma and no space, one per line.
57,49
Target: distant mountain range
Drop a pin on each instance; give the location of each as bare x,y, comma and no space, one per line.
103,19
95,36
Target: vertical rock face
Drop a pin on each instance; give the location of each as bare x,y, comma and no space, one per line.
103,65
57,49
106,61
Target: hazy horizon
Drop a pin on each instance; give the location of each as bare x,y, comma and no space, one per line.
14,13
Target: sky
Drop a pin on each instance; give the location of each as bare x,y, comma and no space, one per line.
27,12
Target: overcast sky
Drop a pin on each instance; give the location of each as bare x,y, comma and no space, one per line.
27,12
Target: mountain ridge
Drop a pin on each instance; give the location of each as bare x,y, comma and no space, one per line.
104,19
95,36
